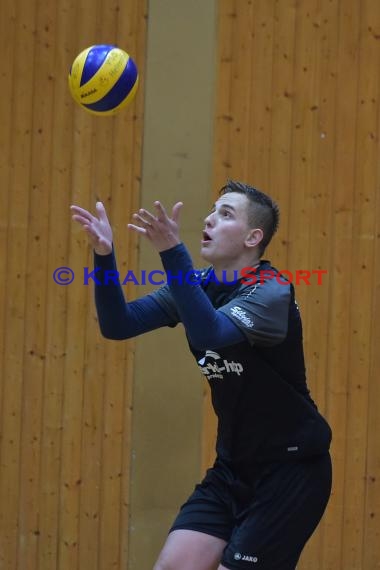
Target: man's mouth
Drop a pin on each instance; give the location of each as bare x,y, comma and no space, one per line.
205,237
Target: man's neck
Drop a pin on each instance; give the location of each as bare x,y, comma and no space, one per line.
230,274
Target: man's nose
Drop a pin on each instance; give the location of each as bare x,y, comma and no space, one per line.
209,220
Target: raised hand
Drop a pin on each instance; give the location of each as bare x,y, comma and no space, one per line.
161,230
97,228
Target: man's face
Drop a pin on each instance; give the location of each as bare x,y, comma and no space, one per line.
226,230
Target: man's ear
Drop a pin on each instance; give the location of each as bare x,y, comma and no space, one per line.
254,237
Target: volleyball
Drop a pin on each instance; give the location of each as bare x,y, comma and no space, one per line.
103,79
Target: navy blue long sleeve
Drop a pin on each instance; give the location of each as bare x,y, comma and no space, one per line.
206,327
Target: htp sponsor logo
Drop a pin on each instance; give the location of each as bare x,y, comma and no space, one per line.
214,367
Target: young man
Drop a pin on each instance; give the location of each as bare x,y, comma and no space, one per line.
266,493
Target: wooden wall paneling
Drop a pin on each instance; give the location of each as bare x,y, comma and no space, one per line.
112,374
7,110
302,159
112,458
320,225
106,144
50,479
36,191
127,165
321,198
94,386
240,90
371,527
92,458
281,124
72,412
303,141
331,225
362,278
58,195
80,160
227,14
303,169
100,29
260,115
7,30
15,291
340,270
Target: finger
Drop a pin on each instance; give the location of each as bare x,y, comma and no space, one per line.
161,210
137,229
83,212
81,220
142,220
176,211
101,211
146,215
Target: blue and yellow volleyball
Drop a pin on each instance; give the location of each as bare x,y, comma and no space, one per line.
103,79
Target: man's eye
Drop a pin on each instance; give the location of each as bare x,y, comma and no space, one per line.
226,214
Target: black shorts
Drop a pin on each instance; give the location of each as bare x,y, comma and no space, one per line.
266,522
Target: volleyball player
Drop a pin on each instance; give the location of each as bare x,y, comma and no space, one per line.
263,498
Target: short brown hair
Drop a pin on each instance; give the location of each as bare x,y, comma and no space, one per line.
264,213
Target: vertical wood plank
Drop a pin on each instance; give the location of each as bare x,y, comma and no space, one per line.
7,39
222,163
362,265
126,168
281,125
371,530
56,296
99,29
260,114
241,89
36,284
7,31
321,199
303,141
15,288
109,377
320,212
79,435
132,25
341,268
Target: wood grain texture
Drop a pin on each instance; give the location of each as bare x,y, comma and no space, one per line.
308,134
65,392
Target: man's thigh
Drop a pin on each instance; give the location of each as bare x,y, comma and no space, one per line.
288,504
190,550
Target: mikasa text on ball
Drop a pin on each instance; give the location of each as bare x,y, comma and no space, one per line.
103,79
